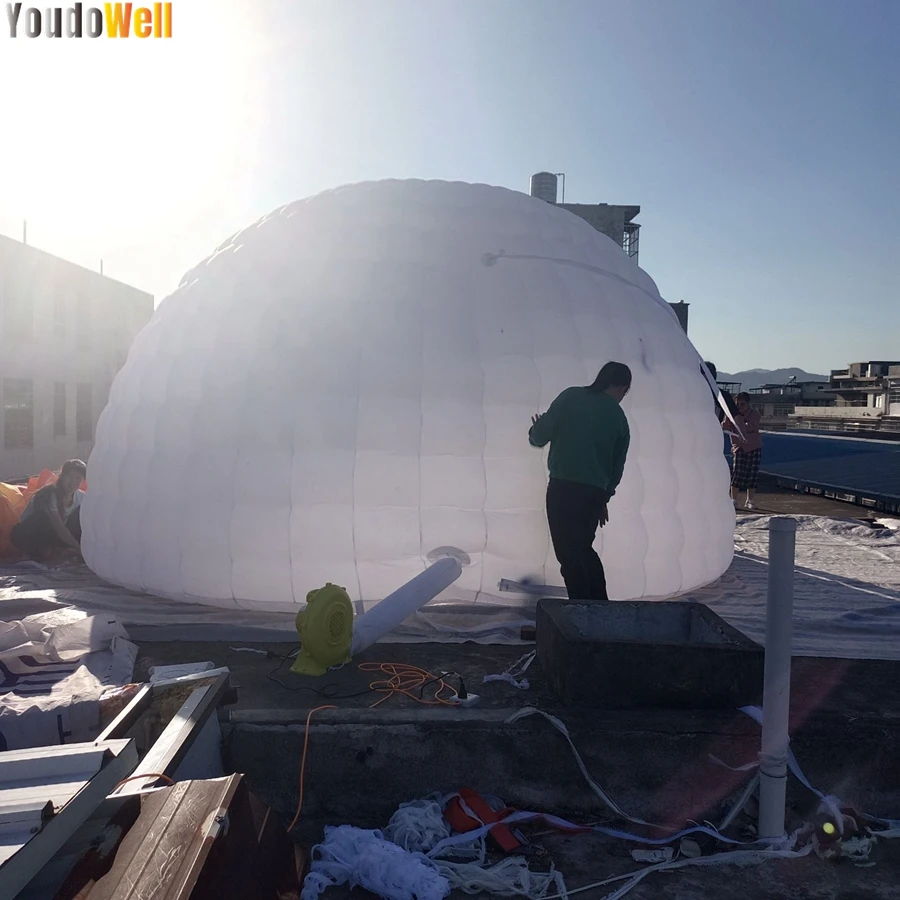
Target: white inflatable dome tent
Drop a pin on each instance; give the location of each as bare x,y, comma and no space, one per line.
343,391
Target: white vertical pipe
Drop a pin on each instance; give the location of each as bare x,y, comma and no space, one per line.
777,683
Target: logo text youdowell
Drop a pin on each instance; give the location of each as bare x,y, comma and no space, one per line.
115,20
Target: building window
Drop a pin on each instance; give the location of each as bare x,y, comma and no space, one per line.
59,409
83,323
59,314
18,315
84,417
630,240
783,410
18,413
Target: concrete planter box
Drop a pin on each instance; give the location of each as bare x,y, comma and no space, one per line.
644,654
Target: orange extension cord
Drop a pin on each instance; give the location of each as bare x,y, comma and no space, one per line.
401,678
404,679
157,775
303,763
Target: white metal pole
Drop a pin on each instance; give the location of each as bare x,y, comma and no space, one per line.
777,683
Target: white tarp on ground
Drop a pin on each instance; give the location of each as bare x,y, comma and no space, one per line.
846,590
847,598
54,666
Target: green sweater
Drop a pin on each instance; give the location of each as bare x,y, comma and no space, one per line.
588,436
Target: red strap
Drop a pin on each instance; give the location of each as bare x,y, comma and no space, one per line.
462,822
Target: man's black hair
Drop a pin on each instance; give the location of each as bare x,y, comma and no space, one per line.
613,374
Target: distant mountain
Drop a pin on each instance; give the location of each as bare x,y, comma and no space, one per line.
754,378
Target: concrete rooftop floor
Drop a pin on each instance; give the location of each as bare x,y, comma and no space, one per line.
772,500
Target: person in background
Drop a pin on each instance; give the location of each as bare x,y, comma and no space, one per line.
746,448
588,435
52,518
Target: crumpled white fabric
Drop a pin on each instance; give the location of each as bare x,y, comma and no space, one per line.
365,859
514,675
510,877
55,667
59,636
418,826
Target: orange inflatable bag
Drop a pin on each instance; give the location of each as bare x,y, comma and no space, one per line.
12,502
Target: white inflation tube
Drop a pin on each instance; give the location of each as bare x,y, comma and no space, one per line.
773,755
402,603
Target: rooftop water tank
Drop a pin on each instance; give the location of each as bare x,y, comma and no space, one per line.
543,186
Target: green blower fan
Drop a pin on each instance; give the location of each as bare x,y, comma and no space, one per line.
325,627
329,635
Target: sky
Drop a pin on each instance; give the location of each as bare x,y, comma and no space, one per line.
761,140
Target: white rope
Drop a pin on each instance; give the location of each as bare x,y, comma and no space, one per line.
751,787
511,877
353,856
419,828
730,858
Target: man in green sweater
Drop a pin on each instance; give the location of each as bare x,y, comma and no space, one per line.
588,436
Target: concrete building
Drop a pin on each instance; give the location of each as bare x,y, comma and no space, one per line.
64,333
893,381
616,222
733,387
862,384
681,311
867,398
778,402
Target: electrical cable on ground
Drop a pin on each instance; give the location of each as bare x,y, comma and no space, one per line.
303,764
326,692
158,775
403,678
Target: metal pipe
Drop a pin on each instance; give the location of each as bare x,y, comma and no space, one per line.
777,680
563,176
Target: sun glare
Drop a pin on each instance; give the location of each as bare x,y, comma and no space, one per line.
127,133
